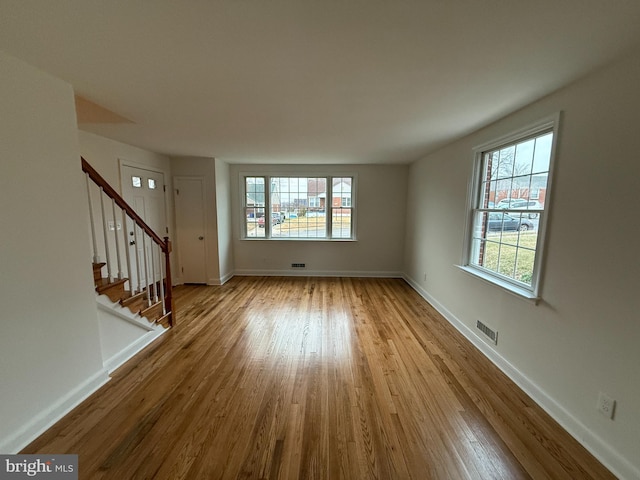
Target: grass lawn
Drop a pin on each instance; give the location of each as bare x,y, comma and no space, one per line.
297,226
300,227
513,257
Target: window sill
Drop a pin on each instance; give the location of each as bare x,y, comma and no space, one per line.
510,288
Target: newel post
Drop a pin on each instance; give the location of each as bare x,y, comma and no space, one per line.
168,299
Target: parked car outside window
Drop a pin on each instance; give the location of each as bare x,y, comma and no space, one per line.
275,219
505,222
520,204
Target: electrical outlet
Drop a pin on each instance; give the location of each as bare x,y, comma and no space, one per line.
606,405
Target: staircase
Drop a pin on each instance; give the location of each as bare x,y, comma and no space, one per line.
132,269
138,303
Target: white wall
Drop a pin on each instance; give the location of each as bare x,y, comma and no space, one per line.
381,196
49,345
223,204
103,154
205,168
585,335
123,333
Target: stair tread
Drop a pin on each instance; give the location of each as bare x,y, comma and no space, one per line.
150,309
105,283
164,320
132,298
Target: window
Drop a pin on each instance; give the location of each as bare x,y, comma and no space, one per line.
136,182
508,206
299,207
341,207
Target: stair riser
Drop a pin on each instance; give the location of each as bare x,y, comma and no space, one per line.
137,303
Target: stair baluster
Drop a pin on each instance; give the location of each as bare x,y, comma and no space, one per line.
155,277
168,297
94,243
105,229
126,249
115,238
137,253
162,276
146,267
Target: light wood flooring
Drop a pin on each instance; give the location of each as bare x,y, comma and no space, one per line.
313,378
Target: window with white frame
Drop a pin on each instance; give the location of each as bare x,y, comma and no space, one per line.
508,208
293,207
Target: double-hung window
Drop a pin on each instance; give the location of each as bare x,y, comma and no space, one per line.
508,206
292,207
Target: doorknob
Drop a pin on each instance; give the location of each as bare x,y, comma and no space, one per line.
132,242
200,237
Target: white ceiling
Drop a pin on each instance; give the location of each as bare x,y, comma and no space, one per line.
313,81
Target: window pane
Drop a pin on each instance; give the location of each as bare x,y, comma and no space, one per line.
255,222
254,188
542,155
524,157
539,187
488,194
341,204
491,254
520,187
506,158
480,224
525,264
298,207
507,260
152,183
136,182
341,226
341,189
491,166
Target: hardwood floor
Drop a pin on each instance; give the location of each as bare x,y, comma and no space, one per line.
313,378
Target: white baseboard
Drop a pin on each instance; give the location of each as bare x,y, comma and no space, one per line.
48,417
225,278
123,313
619,466
125,354
316,273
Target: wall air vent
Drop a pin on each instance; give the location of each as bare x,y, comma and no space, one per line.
490,334
298,265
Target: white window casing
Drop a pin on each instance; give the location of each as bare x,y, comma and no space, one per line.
507,208
298,207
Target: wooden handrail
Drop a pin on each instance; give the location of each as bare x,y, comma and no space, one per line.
111,193
165,244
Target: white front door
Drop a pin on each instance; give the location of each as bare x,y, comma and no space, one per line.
144,190
189,202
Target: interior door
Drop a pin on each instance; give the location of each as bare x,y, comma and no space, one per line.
190,224
144,191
